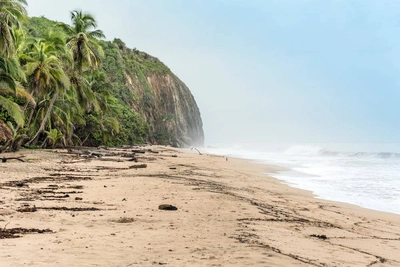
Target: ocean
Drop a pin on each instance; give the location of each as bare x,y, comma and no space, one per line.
367,175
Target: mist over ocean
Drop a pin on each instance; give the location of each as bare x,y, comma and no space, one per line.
367,175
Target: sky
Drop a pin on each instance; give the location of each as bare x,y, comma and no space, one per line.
269,71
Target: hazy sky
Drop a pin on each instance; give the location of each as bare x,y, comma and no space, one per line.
269,70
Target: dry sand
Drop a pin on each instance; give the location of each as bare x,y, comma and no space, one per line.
229,214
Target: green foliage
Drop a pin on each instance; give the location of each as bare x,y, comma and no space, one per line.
53,137
38,26
12,12
126,127
136,129
13,111
149,65
163,138
87,96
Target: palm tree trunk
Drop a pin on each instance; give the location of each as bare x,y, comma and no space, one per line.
31,116
34,140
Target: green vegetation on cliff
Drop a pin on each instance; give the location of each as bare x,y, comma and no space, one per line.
61,85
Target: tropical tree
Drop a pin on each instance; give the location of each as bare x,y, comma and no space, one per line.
53,136
9,87
11,13
100,87
66,115
43,67
101,117
46,76
81,40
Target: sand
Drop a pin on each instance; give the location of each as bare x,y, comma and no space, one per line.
100,212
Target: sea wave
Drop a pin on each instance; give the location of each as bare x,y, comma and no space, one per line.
333,171
305,150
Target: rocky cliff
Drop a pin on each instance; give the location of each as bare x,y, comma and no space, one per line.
151,90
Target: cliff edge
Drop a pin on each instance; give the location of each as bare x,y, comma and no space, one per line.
151,90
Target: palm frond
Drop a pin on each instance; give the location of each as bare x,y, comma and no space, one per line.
13,110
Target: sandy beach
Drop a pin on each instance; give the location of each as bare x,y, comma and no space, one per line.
64,209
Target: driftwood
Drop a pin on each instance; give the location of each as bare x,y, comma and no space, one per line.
5,157
128,155
81,147
126,147
138,151
167,207
98,153
138,166
101,153
110,168
133,159
196,150
78,152
115,160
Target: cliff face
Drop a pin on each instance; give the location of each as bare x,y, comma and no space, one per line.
172,113
153,91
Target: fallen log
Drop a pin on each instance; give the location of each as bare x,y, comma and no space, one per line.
133,159
110,168
108,159
138,166
128,155
78,152
138,151
126,147
5,157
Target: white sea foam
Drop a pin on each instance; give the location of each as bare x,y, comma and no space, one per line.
368,177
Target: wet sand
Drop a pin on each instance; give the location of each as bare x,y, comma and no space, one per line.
100,212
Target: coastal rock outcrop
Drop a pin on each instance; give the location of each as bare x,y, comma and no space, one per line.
151,89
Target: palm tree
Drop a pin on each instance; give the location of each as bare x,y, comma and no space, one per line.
104,108
8,85
100,86
9,71
67,114
81,40
44,69
11,13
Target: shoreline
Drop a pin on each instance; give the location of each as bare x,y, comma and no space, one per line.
285,167
230,213
314,195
